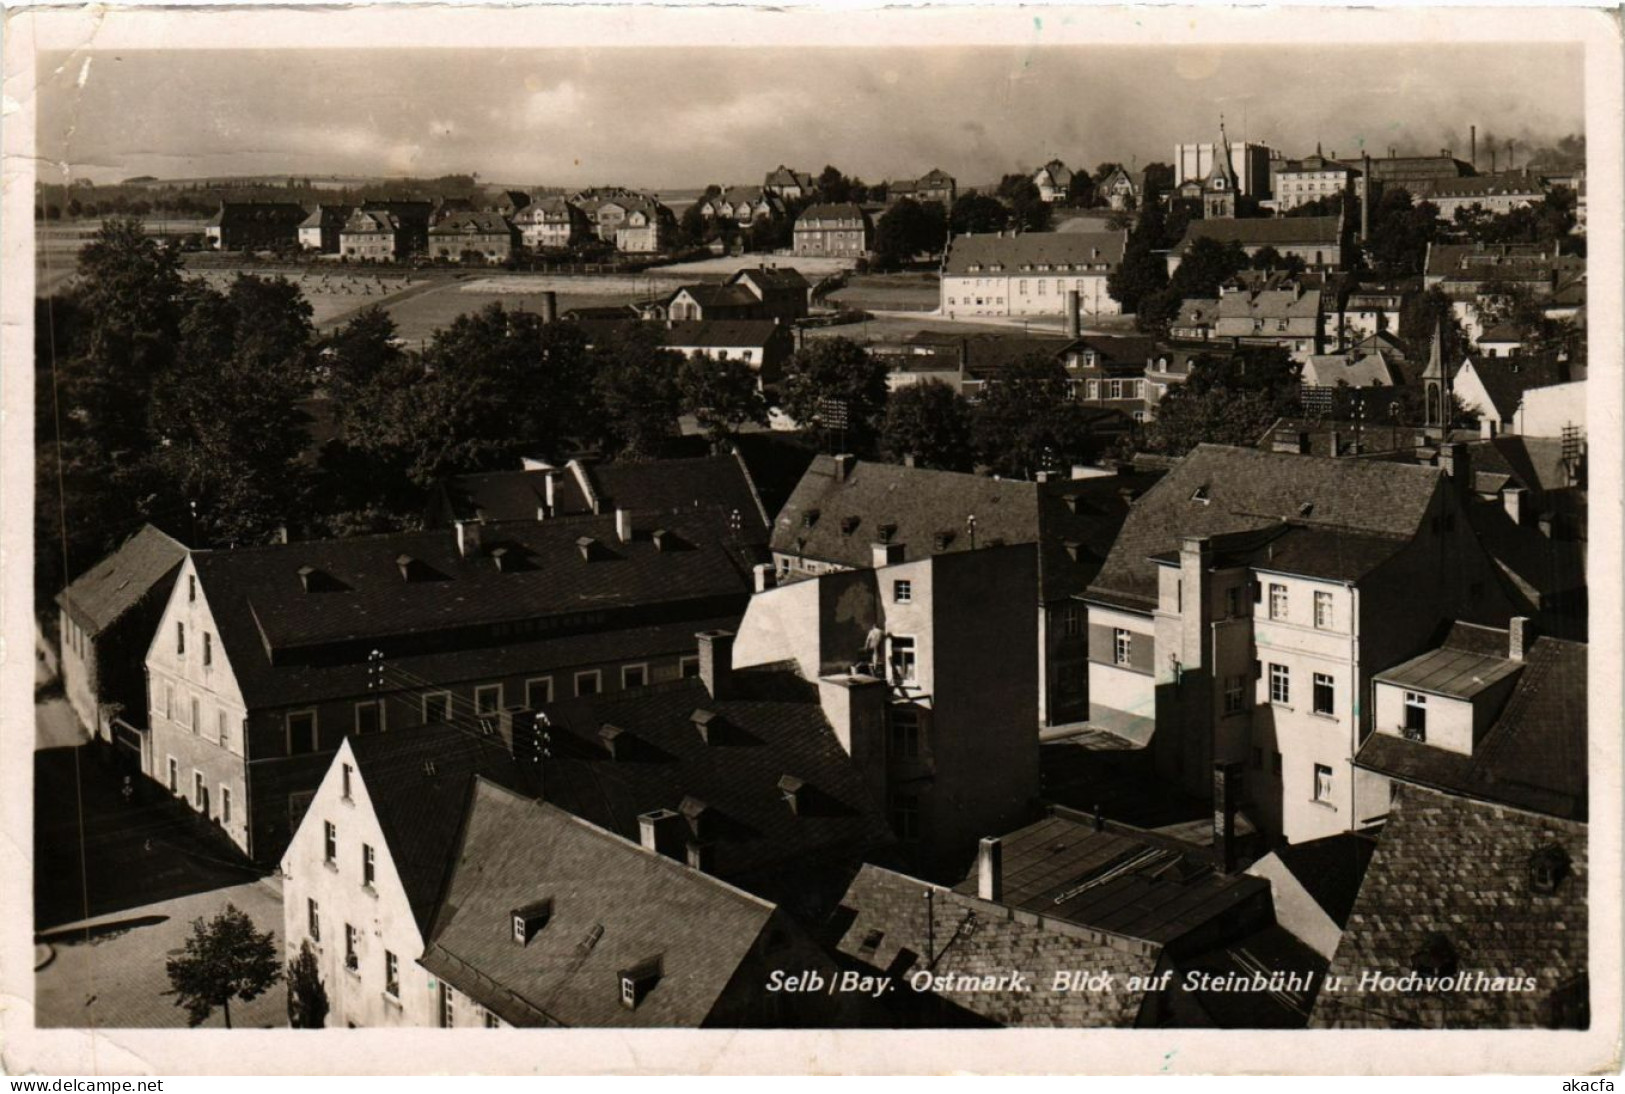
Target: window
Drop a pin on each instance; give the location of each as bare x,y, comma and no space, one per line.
1280,684
1232,601
301,732
169,701
313,917
437,706
225,804
538,692
1072,621
587,683
197,721
392,975
1323,610
902,659
905,816
904,739
1235,694
1323,783
1277,601
688,667
200,796
191,588
902,592
1325,694
330,843
488,699
180,639
224,728
1122,646
352,939
634,676
448,1009
492,1021
208,649
369,865
1416,716
174,776
346,772
369,717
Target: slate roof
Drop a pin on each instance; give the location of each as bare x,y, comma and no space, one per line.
1024,252
1534,755
889,932
772,726
1302,551
1506,379
712,295
1536,463
232,214
923,504
1263,231
722,333
1501,185
144,563
1330,869
371,220
1472,263
1389,168
419,808
1128,883
773,278
1446,865
1240,311
1243,490
785,176
471,222
544,210
614,906
1120,349
1355,370
327,216
816,216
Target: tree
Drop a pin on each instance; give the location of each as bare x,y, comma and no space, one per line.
307,995
1143,271
635,386
1186,418
907,229
836,187
1401,230
837,385
930,422
978,213
1028,208
1158,180
224,958
722,395
1027,422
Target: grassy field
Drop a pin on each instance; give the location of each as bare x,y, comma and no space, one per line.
890,292
419,315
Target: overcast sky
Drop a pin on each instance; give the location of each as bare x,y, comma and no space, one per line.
676,118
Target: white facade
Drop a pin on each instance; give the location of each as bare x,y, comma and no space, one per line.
1026,294
1547,411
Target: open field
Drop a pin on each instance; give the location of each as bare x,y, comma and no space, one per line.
812,268
890,292
419,315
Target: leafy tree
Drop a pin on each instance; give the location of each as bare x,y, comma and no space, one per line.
222,959
1400,233
1266,369
1027,422
978,213
635,386
836,187
1028,209
837,385
1159,180
1187,417
307,995
930,422
1143,271
909,228
722,395
1420,314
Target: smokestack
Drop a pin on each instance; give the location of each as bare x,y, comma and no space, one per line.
623,525
1509,153
1074,324
1473,141
663,832
1365,201
550,307
766,576
990,869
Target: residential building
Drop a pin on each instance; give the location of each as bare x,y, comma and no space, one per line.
1250,598
320,231
843,506
927,668
1324,373
744,205
607,208
373,235
762,292
1314,178
1291,318
1373,309
1420,952
647,228
1054,181
1463,270
789,184
266,658
1495,388
1031,273
106,619
1249,163
249,225
1123,190
1316,240
552,224
472,237
763,344
1109,371
412,220
1494,194
841,231
935,185
509,203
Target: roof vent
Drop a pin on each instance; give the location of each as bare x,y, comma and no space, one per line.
1306,509
530,918
850,525
794,790
942,540
1548,866
1201,494
309,578
662,539
410,568
696,812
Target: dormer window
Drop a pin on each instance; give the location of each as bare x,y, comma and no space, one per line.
1436,958
638,981
530,918
793,790
849,525
1548,866
809,518
886,531
1201,494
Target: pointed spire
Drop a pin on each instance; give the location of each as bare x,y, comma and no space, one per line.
1435,368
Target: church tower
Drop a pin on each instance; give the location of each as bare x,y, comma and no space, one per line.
1436,388
1220,186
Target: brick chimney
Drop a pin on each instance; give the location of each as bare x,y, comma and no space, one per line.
1227,789
990,868
1520,636
1513,498
844,463
716,662
887,554
664,832
766,576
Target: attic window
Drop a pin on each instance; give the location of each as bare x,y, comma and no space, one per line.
943,540
499,557
638,981
1201,494
871,943
1075,550
809,518
849,525
1548,866
1436,958
661,539
615,739
792,788
530,918
886,532
586,545
708,722
408,566
1306,509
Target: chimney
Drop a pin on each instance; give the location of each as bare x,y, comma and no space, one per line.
843,466
887,554
548,491
469,536
1227,779
1472,144
1074,322
793,790
1454,458
662,831
990,868
717,662
1520,636
550,307
1513,499
1365,201
1337,444
623,525
766,576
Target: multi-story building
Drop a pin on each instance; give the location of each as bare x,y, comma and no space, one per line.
789,184
1373,309
1122,189
320,231
552,224
266,658
1495,194
838,231
761,292
372,235
107,618
1054,181
1249,163
647,228
466,236
245,225
1031,273
1109,371
744,205
1316,240
1314,178
763,344
1291,318
843,506
1248,602
935,185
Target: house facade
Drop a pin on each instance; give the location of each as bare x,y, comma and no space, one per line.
1032,273
1316,240
372,235
935,185
320,231
485,237
789,184
1314,178
647,228
1054,181
763,344
245,225
839,231
551,224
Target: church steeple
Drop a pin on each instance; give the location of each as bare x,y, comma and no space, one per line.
1220,186
1436,386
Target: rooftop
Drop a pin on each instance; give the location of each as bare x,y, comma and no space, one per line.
1032,252
1262,231
1452,673
145,562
